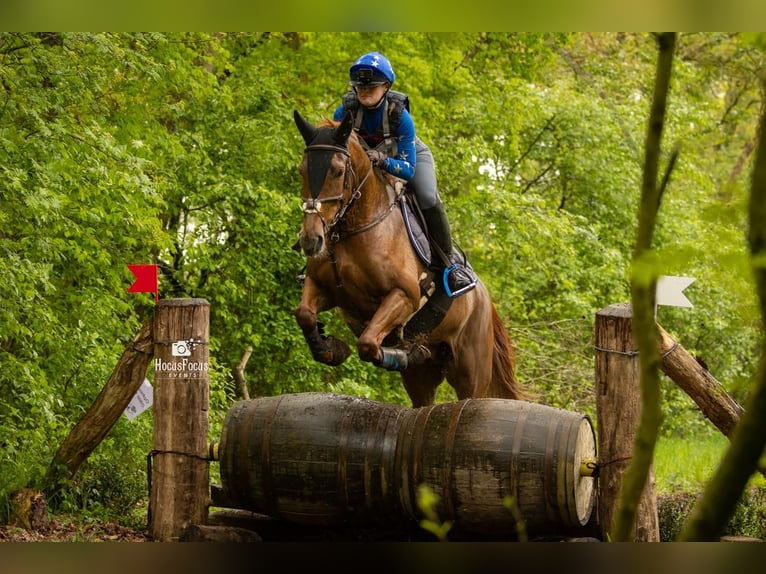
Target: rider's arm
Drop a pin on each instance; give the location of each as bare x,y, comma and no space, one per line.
403,164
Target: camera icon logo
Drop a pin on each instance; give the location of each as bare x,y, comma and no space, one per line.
181,349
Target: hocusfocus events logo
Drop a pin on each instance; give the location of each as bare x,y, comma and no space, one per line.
183,367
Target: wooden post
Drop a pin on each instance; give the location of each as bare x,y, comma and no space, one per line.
180,471
618,410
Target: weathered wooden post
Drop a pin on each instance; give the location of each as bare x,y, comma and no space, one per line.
180,475
618,406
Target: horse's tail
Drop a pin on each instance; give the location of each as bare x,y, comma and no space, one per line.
504,384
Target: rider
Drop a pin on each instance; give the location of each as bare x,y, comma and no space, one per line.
387,132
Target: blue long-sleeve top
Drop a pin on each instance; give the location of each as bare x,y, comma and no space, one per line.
403,163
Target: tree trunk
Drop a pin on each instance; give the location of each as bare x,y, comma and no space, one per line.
29,509
96,423
239,373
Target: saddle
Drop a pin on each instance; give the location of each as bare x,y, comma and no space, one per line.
435,302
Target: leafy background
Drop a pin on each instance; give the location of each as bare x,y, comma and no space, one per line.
179,148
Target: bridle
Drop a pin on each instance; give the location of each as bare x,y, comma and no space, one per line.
354,191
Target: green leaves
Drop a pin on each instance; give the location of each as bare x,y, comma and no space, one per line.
181,148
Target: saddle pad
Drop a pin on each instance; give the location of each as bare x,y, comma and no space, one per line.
414,225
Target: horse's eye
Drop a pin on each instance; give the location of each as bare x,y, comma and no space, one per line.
339,172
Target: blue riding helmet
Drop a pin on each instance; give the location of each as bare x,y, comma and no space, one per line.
372,69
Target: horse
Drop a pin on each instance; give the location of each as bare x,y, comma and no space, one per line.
359,260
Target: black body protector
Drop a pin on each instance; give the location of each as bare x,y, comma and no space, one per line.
393,104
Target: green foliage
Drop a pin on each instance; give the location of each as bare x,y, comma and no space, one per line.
521,526
180,149
427,501
748,520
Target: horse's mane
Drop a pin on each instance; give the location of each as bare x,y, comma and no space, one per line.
329,123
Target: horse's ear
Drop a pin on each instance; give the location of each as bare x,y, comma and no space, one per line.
307,130
341,133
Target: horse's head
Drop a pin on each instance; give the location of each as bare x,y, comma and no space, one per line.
328,179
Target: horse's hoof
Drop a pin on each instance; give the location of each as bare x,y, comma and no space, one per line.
418,355
339,351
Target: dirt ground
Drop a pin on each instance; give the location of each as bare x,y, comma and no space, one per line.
64,530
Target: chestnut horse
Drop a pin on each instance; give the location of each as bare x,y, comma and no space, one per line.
360,261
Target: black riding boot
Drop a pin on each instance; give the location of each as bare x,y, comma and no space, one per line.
458,278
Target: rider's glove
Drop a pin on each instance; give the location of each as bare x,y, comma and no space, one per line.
377,157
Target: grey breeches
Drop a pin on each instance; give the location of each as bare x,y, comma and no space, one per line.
424,181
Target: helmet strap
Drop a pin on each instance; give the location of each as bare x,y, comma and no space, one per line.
379,102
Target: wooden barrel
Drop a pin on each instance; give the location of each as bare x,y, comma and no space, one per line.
328,459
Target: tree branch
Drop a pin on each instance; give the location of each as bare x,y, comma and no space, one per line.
642,286
239,373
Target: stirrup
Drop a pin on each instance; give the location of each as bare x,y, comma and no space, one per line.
458,292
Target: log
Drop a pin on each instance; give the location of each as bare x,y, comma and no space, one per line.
203,533
685,371
95,424
270,529
695,380
618,407
180,475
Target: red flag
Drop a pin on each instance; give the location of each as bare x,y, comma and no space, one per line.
146,280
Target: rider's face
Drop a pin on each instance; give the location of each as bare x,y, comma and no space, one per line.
370,95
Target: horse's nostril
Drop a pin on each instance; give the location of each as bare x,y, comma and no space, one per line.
311,244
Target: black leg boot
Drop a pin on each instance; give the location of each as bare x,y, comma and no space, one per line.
456,276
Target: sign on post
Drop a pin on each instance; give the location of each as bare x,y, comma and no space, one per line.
142,400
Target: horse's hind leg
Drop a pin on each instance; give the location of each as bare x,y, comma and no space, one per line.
421,382
325,349
470,371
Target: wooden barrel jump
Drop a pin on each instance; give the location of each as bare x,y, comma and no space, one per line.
327,459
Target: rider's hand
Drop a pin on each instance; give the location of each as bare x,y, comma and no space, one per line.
377,157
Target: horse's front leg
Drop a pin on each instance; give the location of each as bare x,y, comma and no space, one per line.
325,349
395,309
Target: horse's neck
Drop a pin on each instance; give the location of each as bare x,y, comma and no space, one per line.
374,196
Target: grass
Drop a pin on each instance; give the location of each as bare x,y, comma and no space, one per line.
682,468
686,464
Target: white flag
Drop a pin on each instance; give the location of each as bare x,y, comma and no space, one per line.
670,291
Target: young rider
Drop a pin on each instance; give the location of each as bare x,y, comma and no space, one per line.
386,130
